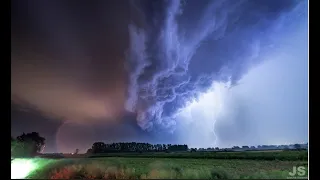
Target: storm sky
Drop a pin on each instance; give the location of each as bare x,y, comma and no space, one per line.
203,73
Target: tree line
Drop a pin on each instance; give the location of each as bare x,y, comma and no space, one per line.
30,144
101,147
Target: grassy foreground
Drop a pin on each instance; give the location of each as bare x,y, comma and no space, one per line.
157,168
248,155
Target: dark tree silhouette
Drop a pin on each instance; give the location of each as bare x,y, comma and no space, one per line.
100,147
89,151
27,144
76,151
33,138
14,146
297,146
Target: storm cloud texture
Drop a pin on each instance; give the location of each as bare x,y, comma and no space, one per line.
205,73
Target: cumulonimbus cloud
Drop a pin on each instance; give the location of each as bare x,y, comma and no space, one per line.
171,64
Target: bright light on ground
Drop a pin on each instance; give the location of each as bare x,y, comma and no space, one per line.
20,168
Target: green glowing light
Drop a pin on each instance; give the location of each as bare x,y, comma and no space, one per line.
20,168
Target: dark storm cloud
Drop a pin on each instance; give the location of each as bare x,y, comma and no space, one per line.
79,63
185,45
67,57
67,69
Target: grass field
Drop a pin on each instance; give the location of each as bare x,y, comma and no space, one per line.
165,165
248,155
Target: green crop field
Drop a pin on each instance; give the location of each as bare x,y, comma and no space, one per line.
249,155
197,165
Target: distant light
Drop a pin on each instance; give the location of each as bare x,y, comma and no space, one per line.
21,168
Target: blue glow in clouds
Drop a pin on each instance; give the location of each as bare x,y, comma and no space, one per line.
179,69
269,105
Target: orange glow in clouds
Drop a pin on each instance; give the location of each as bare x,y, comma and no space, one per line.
64,97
